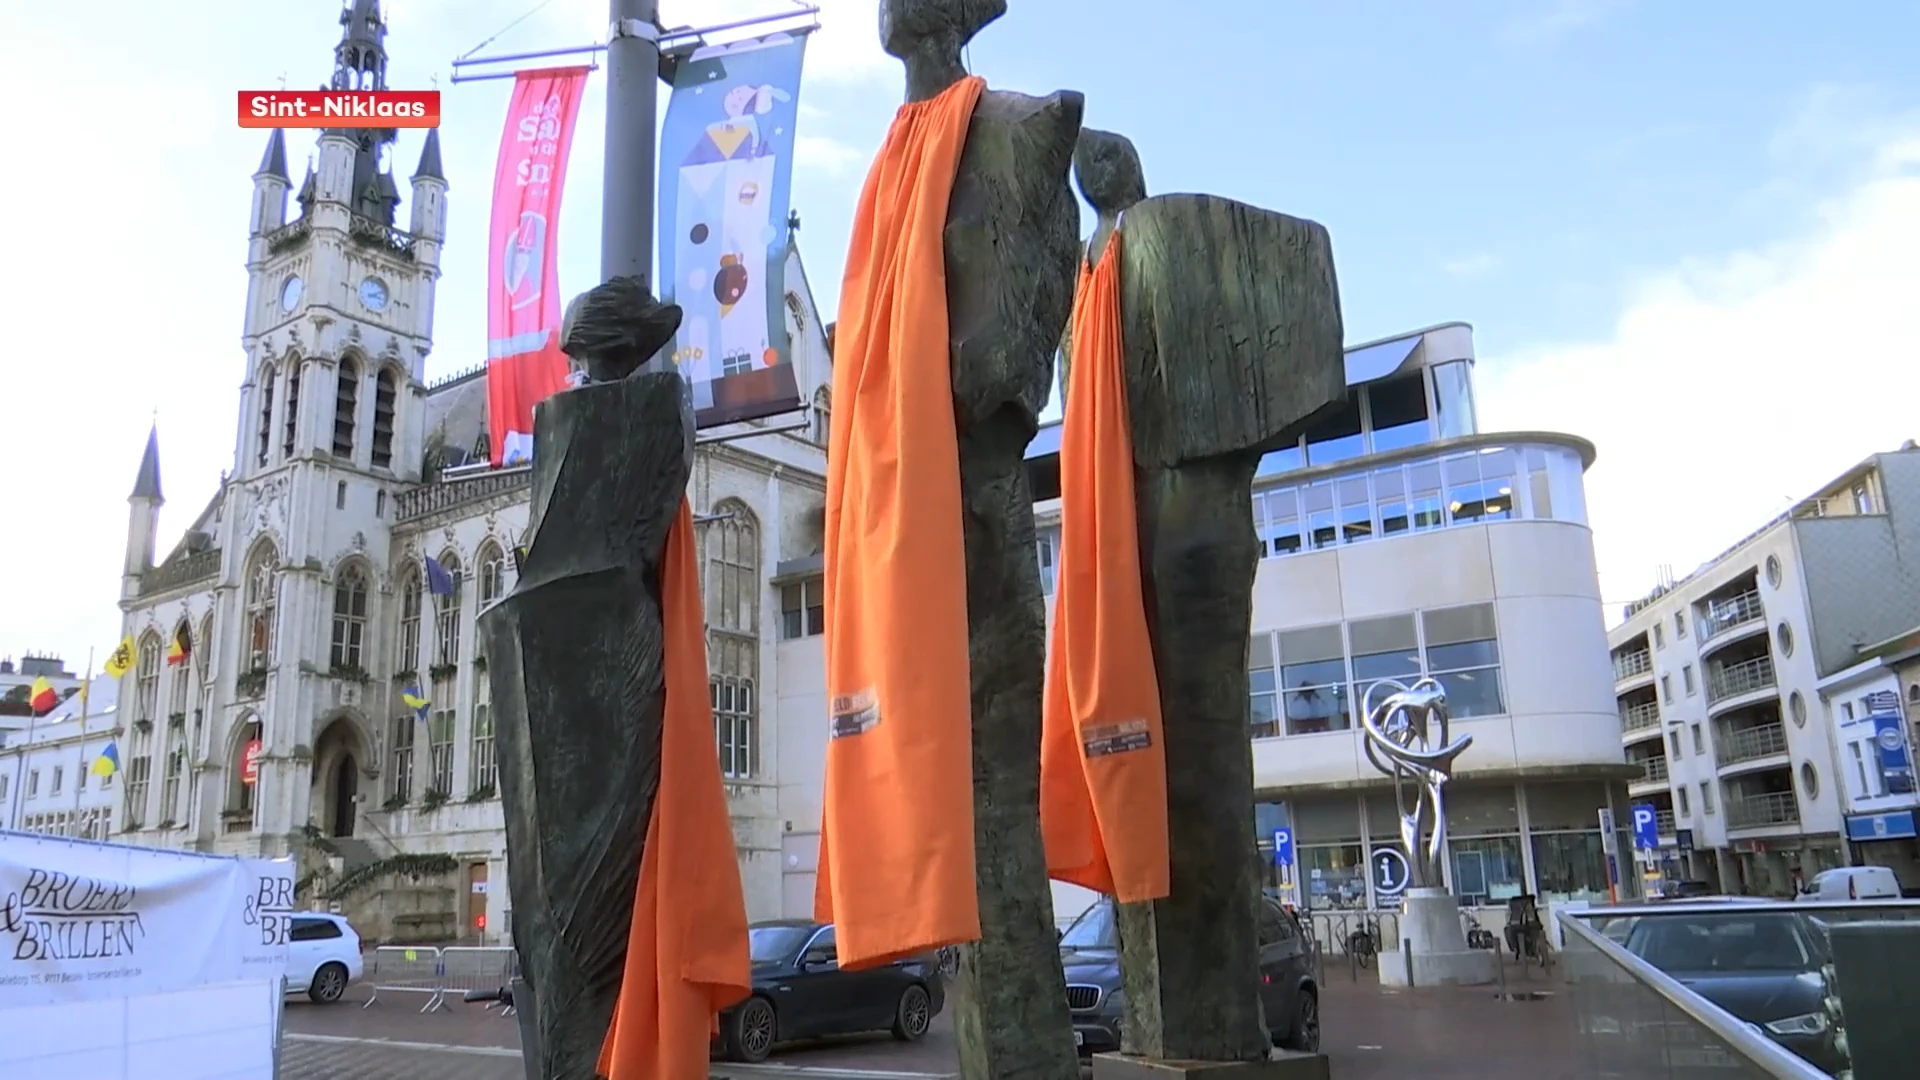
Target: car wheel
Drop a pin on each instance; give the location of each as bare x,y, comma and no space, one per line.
913,1015
1305,1036
750,1035
329,983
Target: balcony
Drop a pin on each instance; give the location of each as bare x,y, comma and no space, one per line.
1731,680
1663,822
1724,615
1632,665
1653,771
1750,744
1637,717
1763,811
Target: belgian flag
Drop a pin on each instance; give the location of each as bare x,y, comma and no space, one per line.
181,647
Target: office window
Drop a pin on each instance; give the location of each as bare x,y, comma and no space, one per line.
803,610
1263,701
1685,809
1699,741
1867,788
349,620
59,774
1313,680
1277,517
1686,677
1679,625
1666,690
400,777
483,773
1673,740
1316,506
1846,710
33,783
1387,648
1398,409
1047,547
1463,654
1333,434
1659,636
1706,798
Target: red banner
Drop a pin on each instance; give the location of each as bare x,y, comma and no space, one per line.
524,361
250,763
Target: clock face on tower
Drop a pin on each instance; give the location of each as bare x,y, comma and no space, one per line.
373,294
290,293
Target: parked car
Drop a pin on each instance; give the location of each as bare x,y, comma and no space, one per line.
1762,966
800,992
1854,883
1090,954
323,956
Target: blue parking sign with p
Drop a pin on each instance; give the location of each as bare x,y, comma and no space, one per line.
1646,830
1283,847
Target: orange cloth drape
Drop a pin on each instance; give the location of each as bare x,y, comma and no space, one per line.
687,951
896,870
1103,759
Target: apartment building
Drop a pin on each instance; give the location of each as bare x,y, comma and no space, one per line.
1719,679
1871,709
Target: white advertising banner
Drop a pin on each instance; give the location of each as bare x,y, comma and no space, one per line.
88,922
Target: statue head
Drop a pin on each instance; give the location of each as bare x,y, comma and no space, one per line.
909,26
1107,169
615,327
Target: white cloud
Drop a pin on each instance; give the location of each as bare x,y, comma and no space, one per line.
826,155
1471,266
1733,385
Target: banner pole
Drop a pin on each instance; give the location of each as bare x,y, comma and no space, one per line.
627,192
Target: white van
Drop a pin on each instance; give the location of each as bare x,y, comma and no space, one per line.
1855,883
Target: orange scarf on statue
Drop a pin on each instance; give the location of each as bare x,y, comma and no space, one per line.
1103,758
896,870
687,950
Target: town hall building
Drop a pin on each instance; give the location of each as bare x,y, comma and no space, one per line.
299,595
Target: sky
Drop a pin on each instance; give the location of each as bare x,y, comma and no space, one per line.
1682,231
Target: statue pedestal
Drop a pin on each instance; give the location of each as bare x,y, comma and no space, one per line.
1431,934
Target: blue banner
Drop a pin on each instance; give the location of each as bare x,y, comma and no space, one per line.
1896,767
726,166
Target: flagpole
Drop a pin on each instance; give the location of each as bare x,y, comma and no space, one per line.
86,704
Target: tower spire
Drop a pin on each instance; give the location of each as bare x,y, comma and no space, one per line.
147,484
360,63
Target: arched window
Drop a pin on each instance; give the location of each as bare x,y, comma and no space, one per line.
288,440
264,388
180,659
385,388
261,587
346,403
242,784
493,573
409,657
146,676
822,416
733,622
447,615
400,747
349,620
203,663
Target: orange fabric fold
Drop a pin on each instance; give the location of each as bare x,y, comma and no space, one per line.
896,869
687,950
1103,758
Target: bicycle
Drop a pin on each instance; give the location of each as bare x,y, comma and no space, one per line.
1478,937
1364,942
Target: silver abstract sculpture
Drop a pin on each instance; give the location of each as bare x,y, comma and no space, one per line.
1408,739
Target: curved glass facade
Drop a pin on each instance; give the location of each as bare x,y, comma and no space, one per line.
1523,481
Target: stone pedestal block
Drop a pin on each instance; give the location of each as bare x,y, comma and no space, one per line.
1431,932
1283,1065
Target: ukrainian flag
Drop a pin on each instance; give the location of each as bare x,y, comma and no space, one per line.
416,701
108,762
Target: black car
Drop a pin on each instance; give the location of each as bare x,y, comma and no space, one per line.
799,992
1764,967
1090,953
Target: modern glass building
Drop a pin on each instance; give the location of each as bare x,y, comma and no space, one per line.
1400,541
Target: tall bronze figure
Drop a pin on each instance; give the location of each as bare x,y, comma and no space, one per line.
1232,339
574,655
1010,243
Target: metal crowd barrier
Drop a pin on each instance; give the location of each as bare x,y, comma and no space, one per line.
438,971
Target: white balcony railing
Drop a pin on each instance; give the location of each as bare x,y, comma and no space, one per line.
1760,811
1722,616
1748,675
1636,717
1749,744
1627,666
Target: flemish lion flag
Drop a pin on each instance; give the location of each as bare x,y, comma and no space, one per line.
120,661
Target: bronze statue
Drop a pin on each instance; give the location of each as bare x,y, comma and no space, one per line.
574,655
1010,242
1232,331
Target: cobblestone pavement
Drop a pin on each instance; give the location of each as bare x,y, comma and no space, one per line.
1368,1033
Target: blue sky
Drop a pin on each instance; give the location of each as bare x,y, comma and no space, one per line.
1682,230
